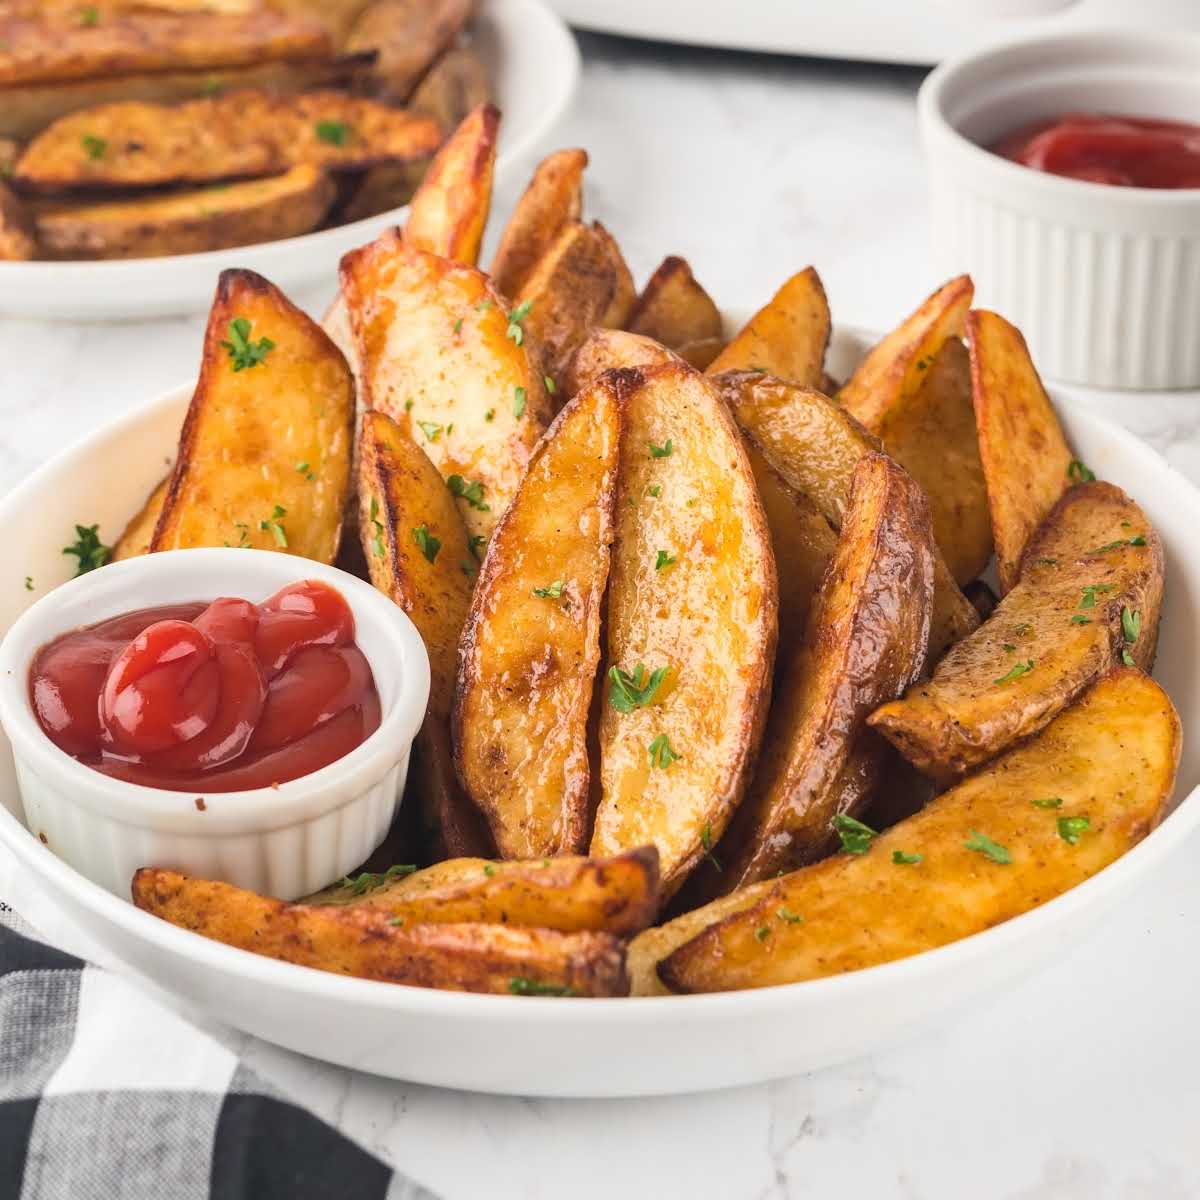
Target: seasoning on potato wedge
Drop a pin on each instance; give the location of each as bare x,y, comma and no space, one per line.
1042,819
1088,597
674,309
604,349
531,647
264,455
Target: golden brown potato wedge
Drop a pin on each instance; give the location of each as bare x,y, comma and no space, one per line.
865,643
604,349
450,208
452,89
212,218
264,456
896,367
553,200
136,538
527,666
579,283
362,941
134,144
701,353
1096,558
10,151
612,895
434,352
17,236
692,623
787,337
1026,459
377,190
674,309
930,431
1048,815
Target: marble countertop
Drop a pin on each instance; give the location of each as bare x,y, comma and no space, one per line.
1079,1083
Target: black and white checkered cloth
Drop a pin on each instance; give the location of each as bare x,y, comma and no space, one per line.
106,1094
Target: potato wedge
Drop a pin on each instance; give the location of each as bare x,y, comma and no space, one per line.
692,623
553,200
362,941
865,643
987,852
896,367
612,895
787,337
674,309
1025,457
452,89
1056,632
377,190
264,455
527,665
604,349
579,283
136,538
701,353
930,431
434,352
17,235
134,144
212,218
450,208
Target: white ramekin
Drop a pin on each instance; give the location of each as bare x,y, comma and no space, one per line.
1103,281
281,841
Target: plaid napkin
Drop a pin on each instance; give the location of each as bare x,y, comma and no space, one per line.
105,1094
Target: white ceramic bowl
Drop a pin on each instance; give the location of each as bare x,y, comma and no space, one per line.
533,63
1103,281
283,841
549,1047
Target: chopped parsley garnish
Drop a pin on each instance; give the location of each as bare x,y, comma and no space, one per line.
1071,829
1078,472
430,429
520,986
786,914
489,870
1131,624
242,350
663,451
1022,630
627,692
660,753
515,318
472,493
306,471
429,545
923,363
88,548
89,16
1008,647
396,921
551,591
855,836
1092,591
335,133
1047,562
368,881
1047,802
29,583
982,844
475,541
551,386
655,490
212,86
94,147
377,540
519,398
664,560
274,524
762,933
484,304
706,843
490,415
468,568
906,860
1018,669
1140,540
458,325
1078,620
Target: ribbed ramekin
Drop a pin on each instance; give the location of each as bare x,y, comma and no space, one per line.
1103,281
283,841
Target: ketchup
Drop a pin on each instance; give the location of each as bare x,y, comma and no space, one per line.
1125,151
215,698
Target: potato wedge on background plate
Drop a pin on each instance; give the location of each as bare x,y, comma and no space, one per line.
692,623
786,338
1088,597
1026,459
674,309
264,455
614,895
553,200
1045,817
604,349
364,942
452,88
527,667
435,354
865,643
17,235
138,534
896,367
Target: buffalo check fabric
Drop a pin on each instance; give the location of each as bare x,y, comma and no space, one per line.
105,1094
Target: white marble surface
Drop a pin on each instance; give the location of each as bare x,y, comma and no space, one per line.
1080,1083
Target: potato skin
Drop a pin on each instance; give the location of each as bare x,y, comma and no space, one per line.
1111,758
17,235
137,535
605,349
674,309
965,715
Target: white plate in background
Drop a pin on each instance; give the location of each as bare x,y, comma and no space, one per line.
533,64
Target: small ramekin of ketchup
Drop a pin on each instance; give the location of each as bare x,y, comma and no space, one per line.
236,714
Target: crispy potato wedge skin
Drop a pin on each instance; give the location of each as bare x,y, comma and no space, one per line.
450,208
580,282
930,431
17,236
407,35
965,715
605,349
1025,456
240,214
1110,758
865,643
246,431
896,367
709,617
136,538
674,309
786,338
453,827
378,189
527,666
134,144
452,89
431,340
362,941
612,895
701,352
553,200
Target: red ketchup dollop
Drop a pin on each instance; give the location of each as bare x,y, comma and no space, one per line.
1125,151
216,698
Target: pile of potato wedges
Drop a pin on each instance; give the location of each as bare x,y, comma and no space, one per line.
711,708
143,128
